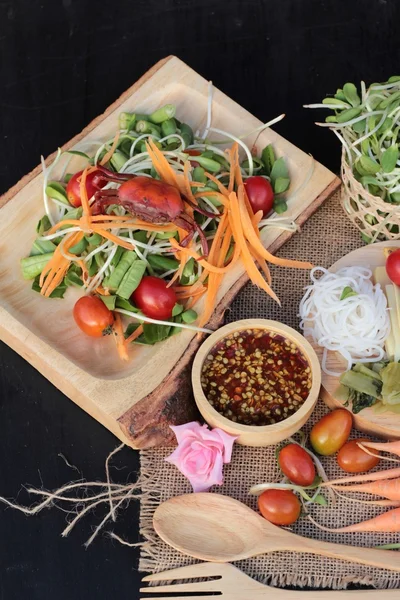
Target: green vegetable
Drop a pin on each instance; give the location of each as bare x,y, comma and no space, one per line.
361,383
177,310
153,333
279,170
209,164
199,175
163,114
359,401
360,368
347,292
113,281
117,256
189,316
168,127
391,383
43,225
125,304
126,120
162,263
57,191
118,160
34,265
79,247
147,127
389,158
281,184
131,279
94,240
348,115
351,94
186,132
73,279
268,158
109,301
280,206
42,247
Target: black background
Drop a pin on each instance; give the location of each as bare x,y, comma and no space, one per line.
61,64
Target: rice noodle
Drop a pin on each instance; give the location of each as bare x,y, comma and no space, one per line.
356,326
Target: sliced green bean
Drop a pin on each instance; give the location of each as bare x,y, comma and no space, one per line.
208,164
42,247
147,127
118,160
126,120
162,263
168,127
163,114
131,279
199,175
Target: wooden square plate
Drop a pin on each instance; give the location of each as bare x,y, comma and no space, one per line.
136,400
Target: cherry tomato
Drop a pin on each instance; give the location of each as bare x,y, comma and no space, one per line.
393,266
281,507
92,316
331,432
296,464
73,187
353,459
154,298
260,194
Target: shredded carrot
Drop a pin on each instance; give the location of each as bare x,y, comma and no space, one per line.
239,236
207,265
101,291
111,151
161,164
255,241
138,331
233,155
195,299
221,187
83,194
217,195
119,338
187,183
113,238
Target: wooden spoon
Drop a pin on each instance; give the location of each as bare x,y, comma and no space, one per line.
220,529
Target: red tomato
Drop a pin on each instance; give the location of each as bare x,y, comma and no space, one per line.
260,194
93,317
353,459
281,507
154,298
73,187
331,432
393,266
296,464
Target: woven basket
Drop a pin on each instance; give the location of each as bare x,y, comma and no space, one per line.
358,204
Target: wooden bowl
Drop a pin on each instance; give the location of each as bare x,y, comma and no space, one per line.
254,435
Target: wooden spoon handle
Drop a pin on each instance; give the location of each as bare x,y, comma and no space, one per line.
386,559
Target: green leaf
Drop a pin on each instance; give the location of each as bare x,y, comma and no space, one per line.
395,197
335,101
394,78
177,310
78,153
340,95
268,158
281,185
56,191
109,301
366,166
331,119
73,279
386,125
387,101
280,206
43,225
359,127
389,159
351,94
125,304
32,266
279,169
42,247
320,499
131,279
347,292
155,333
348,114
57,293
189,316
365,238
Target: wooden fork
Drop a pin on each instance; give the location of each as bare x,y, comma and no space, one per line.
232,584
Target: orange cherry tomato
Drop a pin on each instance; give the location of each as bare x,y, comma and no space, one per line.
297,464
73,187
93,317
352,459
331,432
281,507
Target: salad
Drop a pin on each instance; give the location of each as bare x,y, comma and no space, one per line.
153,223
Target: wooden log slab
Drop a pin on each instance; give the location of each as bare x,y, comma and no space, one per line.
138,400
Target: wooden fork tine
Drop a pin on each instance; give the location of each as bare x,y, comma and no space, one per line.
175,588
204,569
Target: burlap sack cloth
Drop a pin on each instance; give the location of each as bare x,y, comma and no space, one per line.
326,237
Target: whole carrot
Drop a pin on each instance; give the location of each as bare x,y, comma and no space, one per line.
391,447
387,522
386,474
387,488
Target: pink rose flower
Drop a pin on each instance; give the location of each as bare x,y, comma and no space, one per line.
201,453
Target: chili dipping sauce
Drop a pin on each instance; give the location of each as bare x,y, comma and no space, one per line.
256,377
